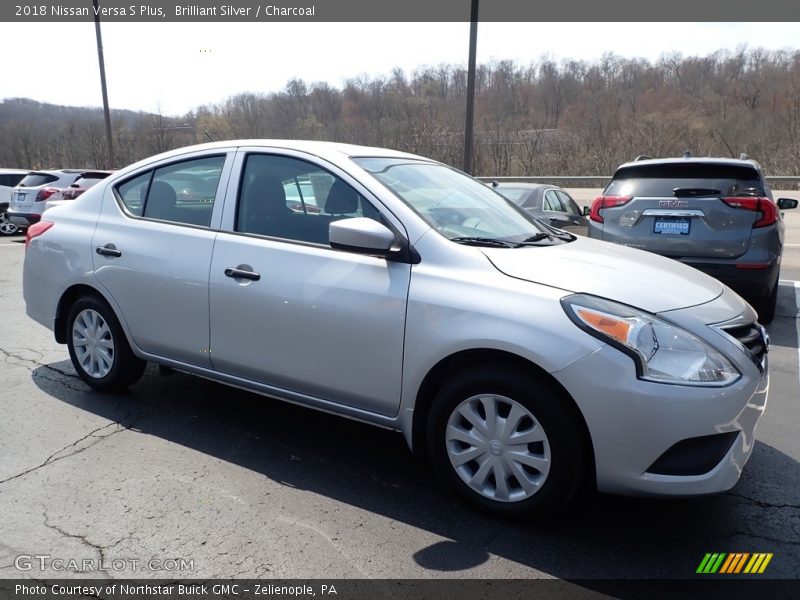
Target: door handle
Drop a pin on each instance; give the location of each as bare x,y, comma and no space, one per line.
241,274
109,250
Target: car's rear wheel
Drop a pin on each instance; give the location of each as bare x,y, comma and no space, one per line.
98,348
6,226
508,442
765,307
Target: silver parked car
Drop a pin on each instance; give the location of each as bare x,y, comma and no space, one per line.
715,214
523,360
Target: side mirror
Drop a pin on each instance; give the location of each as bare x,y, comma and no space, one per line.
361,235
586,211
787,203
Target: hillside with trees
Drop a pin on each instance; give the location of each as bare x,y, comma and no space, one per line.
545,118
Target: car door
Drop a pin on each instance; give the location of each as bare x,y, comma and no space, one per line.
575,222
554,211
152,252
289,312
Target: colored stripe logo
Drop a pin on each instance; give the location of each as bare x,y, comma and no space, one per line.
734,563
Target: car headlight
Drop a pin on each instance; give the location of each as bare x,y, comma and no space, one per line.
663,353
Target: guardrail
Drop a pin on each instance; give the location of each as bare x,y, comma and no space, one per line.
783,182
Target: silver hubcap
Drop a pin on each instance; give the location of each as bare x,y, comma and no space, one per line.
93,343
6,226
498,448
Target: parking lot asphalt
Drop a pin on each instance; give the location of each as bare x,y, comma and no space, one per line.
238,485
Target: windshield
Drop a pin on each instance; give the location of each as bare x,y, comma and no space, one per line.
457,206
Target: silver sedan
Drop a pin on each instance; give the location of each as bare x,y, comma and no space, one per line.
390,288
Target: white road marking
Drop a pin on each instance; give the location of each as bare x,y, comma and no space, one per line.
12,245
797,322
792,245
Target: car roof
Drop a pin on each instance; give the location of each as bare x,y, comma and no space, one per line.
59,171
5,171
332,151
319,148
526,186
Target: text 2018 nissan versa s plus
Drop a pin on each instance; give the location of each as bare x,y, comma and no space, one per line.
522,359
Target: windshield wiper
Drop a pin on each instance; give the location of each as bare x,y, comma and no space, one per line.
565,235
536,239
483,241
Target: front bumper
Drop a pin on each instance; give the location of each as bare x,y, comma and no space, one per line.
633,423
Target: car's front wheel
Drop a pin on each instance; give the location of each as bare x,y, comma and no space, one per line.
6,226
508,442
98,348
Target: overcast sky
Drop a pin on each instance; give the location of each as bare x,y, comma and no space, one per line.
176,67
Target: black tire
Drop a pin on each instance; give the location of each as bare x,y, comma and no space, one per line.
551,410
125,368
6,226
765,307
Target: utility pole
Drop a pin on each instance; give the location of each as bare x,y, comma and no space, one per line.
468,128
106,112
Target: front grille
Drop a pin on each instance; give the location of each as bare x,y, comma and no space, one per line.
753,337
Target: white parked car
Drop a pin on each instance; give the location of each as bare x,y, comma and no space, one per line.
29,196
9,178
524,360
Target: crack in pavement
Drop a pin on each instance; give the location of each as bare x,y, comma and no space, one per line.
119,425
27,362
100,549
763,537
42,374
763,503
305,525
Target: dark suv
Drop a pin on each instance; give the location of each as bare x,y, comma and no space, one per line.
714,214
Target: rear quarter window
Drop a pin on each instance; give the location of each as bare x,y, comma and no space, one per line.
662,180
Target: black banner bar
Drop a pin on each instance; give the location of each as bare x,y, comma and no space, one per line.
405,11
730,588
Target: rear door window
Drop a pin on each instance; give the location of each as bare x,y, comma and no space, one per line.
181,192
552,202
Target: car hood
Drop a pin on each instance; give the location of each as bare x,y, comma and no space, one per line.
634,277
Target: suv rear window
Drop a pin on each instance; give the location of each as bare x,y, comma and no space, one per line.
37,179
661,180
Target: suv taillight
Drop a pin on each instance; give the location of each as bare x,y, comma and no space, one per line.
45,193
768,211
36,230
602,202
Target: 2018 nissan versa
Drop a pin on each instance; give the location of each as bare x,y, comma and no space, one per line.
392,289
